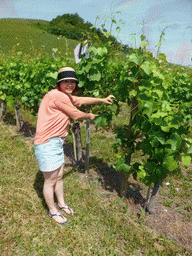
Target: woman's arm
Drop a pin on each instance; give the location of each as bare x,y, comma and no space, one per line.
86,116
90,100
74,113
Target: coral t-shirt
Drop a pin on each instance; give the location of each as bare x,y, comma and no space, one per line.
54,115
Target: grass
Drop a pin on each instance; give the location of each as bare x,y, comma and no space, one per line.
178,195
102,224
18,35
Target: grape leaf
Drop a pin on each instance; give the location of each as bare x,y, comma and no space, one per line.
190,150
186,160
100,121
170,163
148,67
94,75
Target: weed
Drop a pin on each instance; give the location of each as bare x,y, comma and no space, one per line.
168,203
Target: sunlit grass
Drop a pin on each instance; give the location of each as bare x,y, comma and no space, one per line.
101,225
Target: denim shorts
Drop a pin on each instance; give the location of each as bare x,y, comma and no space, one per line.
50,155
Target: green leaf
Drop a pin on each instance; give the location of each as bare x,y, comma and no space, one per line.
94,75
189,151
132,94
101,51
148,108
106,34
159,114
157,136
145,126
114,108
24,99
10,101
52,75
96,93
186,160
145,84
148,67
170,163
87,67
145,146
158,74
135,58
141,173
166,128
121,166
142,37
158,92
100,121
151,165
175,141
124,168
2,97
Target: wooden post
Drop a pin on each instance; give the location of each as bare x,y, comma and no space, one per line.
74,146
87,145
124,178
147,197
19,119
77,142
2,108
153,196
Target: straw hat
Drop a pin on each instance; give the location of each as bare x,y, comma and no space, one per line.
67,73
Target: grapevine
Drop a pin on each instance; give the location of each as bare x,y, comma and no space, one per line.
160,119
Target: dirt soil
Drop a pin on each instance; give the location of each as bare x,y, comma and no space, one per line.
164,220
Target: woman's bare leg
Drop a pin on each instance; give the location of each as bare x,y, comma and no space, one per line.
50,180
58,189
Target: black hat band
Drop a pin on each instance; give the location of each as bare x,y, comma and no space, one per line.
66,74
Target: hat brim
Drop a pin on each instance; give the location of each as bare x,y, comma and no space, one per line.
68,78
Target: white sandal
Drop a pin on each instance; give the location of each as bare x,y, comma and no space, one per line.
66,207
57,214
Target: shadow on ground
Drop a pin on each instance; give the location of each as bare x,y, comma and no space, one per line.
111,180
27,130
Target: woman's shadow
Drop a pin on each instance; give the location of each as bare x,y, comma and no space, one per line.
38,186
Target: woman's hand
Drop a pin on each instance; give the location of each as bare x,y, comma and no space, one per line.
108,100
92,116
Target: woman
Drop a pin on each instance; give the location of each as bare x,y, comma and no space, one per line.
55,111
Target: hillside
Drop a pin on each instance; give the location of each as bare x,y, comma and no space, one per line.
18,35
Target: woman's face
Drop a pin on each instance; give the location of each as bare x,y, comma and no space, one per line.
67,86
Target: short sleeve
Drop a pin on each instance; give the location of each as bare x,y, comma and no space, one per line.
66,104
77,101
